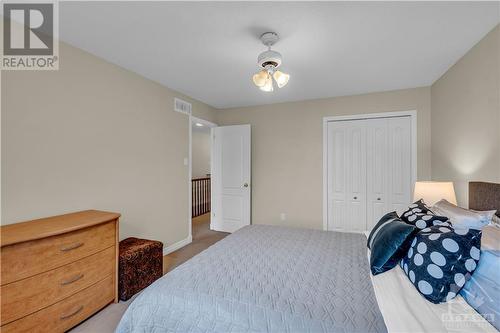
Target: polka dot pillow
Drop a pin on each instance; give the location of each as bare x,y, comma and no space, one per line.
441,259
416,207
419,215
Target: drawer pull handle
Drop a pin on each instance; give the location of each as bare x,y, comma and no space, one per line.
73,279
66,316
71,247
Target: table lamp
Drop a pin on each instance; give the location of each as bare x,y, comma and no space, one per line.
431,192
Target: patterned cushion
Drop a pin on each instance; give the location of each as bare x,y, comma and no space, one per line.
441,259
140,264
416,207
419,215
389,240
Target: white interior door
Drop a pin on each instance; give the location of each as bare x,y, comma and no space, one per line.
231,170
347,175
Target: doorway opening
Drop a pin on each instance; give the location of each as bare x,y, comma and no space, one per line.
200,191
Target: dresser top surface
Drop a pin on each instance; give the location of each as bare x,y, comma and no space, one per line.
50,226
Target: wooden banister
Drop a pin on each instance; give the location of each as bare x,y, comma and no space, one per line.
200,196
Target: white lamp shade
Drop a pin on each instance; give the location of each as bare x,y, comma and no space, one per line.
268,85
432,192
281,78
260,78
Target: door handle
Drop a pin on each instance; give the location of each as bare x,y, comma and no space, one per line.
355,198
245,185
379,199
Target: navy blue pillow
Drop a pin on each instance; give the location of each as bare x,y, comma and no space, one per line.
441,259
416,207
389,241
419,215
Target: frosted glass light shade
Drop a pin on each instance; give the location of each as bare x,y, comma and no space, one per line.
281,78
432,192
260,78
268,86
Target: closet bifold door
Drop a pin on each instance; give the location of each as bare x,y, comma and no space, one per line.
378,173
400,166
347,175
388,167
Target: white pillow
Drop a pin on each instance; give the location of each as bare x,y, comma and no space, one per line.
490,239
488,215
495,220
461,217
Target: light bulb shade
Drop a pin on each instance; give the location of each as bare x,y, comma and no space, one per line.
281,78
260,78
432,192
268,86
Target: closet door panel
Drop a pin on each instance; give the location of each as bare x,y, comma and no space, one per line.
356,175
346,176
337,176
377,173
400,161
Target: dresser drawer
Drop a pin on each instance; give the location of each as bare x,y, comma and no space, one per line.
25,259
67,313
26,296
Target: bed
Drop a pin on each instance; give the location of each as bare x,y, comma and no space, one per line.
276,279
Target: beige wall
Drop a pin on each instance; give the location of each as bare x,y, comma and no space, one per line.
466,118
287,148
93,135
200,154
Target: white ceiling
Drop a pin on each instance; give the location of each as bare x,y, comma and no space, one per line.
208,50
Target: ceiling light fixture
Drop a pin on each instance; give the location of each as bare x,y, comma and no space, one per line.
269,61
199,124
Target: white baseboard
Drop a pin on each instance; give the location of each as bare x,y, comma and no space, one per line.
213,228
178,245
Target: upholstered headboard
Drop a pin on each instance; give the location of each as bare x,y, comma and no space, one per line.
484,196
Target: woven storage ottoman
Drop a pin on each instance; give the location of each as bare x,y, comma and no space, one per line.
140,264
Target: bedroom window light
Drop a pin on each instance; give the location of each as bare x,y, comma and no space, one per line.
431,192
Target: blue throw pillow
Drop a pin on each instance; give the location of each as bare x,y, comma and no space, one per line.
416,207
388,241
482,291
419,215
441,259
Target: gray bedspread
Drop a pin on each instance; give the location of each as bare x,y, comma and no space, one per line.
264,279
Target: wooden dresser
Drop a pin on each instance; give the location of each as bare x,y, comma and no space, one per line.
57,271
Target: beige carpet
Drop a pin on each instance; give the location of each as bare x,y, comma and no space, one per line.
107,319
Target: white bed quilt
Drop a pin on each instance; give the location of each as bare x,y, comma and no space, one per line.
264,279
